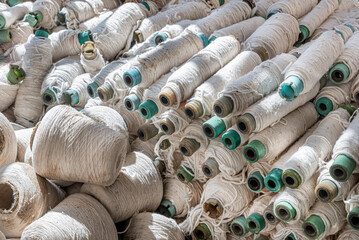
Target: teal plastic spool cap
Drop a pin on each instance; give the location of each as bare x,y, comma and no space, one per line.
291,88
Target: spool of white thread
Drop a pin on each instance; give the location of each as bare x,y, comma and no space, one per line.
134,98
9,114
8,147
23,139
289,231
77,95
65,43
172,31
145,147
352,207
253,86
255,176
16,54
25,197
191,169
348,233
316,60
262,7
37,61
93,22
233,138
277,35
8,84
172,121
193,139
10,15
355,89
19,33
79,215
141,175
99,159
292,7
44,13
154,226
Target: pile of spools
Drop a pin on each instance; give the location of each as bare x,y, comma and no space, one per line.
179,119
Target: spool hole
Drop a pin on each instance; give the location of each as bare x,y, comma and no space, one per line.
250,153
354,221
158,40
7,196
198,234
164,100
323,194
289,237
218,110
90,91
323,107
144,112
181,177
289,180
164,128
271,184
228,142
208,131
128,80
254,184
339,173
185,150
337,76
47,98
189,112
10,35
100,95
356,96
270,217
237,229
283,213
207,171
252,225
300,37
128,104
309,230
242,126
141,134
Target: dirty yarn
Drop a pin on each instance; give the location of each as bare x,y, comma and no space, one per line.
262,7
13,14
64,43
177,117
195,162
142,175
337,94
8,147
23,138
295,8
25,197
8,91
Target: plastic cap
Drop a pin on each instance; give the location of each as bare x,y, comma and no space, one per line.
12,3
326,190
160,37
42,33
15,74
189,146
146,5
167,208
204,39
167,126
304,33
147,131
213,127
255,182
291,88
291,178
211,39
238,226
339,73
31,19
342,168
2,22
324,106
254,151
210,168
231,139
132,102
313,227
255,223
85,36
202,232
184,174
223,106
285,211
148,109
353,218
273,181
194,109
92,89
132,77
350,109
70,97
105,92
246,123
61,18
5,36
48,97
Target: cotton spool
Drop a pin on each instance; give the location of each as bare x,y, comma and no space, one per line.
253,86
141,175
348,233
189,10
91,58
275,36
303,74
345,67
191,169
179,198
255,176
289,231
10,75
262,7
330,97
60,78
23,137
9,114
25,197
93,22
291,205
355,90
317,148
310,22
10,15
345,158
200,103
120,26
182,83
75,12
292,7
192,139
154,226
147,131
78,216
352,206
172,31
44,13
172,121
67,43
270,142
8,146
233,138
37,61
134,98
20,32
77,95
100,159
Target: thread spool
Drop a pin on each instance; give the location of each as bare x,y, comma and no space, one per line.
261,145
303,164
148,182
98,119
291,7
147,131
250,88
76,95
147,148
232,138
348,233
8,146
344,158
297,81
151,224
262,7
215,126
23,137
173,121
25,197
9,86
269,214
91,58
238,226
255,182
10,15
202,232
134,99
80,215
201,101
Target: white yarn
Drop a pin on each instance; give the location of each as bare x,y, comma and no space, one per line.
23,137
301,49
138,91
241,30
262,7
79,216
262,167
337,94
182,196
8,91
175,116
3,6
79,84
72,189
93,102
346,30
348,233
9,114
145,147
350,54
319,145
348,141
190,10
13,14
28,156
153,226
355,89
195,162
97,138
61,76
115,33
20,32
230,13
49,10
77,12
258,83
194,131
142,184
176,29
64,43
202,66
37,61
93,22
206,93
295,8
25,197
352,199
8,147
283,230
139,48
301,198
17,52
93,65
230,162
317,60
173,3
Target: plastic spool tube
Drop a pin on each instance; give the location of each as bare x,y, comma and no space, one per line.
173,121
330,97
263,80
269,143
297,81
134,99
10,76
202,232
233,138
76,95
200,103
269,214
292,7
10,15
238,226
193,139
147,131
8,146
345,159
352,208
215,126
44,14
171,31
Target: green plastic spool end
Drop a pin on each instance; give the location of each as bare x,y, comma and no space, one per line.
5,36
132,77
92,89
204,39
255,223
313,227
273,181
48,97
184,174
202,232
148,109
160,37
85,37
132,102
71,97
146,5
339,73
342,168
353,218
291,88
231,139
41,34
303,35
61,18
239,227
12,3
15,74
2,22
213,127
324,106
255,182
291,178
210,168
285,211
254,151
167,209
271,13
34,18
